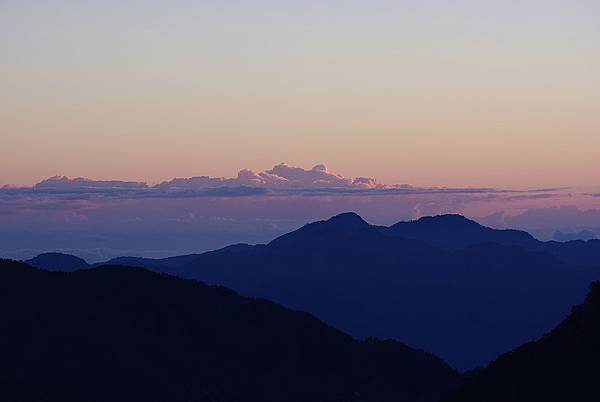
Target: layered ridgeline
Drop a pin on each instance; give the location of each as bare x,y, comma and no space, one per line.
58,262
561,366
454,232
445,284
126,334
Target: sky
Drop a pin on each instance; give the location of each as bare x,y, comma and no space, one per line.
499,94
156,128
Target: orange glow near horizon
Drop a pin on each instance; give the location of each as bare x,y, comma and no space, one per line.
457,95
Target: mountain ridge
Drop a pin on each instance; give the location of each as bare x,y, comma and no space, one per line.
489,293
559,366
152,336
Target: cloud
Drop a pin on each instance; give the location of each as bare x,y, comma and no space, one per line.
282,179
581,235
546,223
524,197
565,216
81,183
282,176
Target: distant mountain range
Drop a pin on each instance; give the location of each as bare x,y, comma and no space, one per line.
127,334
561,366
444,284
455,232
58,262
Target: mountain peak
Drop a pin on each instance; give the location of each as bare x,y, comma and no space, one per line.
348,218
445,222
453,231
58,262
348,222
449,219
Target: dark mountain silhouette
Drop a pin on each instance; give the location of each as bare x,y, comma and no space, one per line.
148,263
453,232
162,263
462,291
457,232
58,262
116,333
561,366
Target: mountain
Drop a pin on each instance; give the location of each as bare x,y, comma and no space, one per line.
561,366
155,264
443,284
456,232
58,262
116,333
453,232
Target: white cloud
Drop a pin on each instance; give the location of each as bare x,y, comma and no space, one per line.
282,179
282,176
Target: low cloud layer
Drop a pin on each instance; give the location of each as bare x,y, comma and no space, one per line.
81,183
282,179
102,219
282,176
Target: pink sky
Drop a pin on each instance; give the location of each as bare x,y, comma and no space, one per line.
431,93
447,97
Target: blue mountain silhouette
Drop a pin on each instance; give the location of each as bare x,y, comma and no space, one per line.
445,284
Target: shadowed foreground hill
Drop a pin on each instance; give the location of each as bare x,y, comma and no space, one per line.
561,366
444,284
126,334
